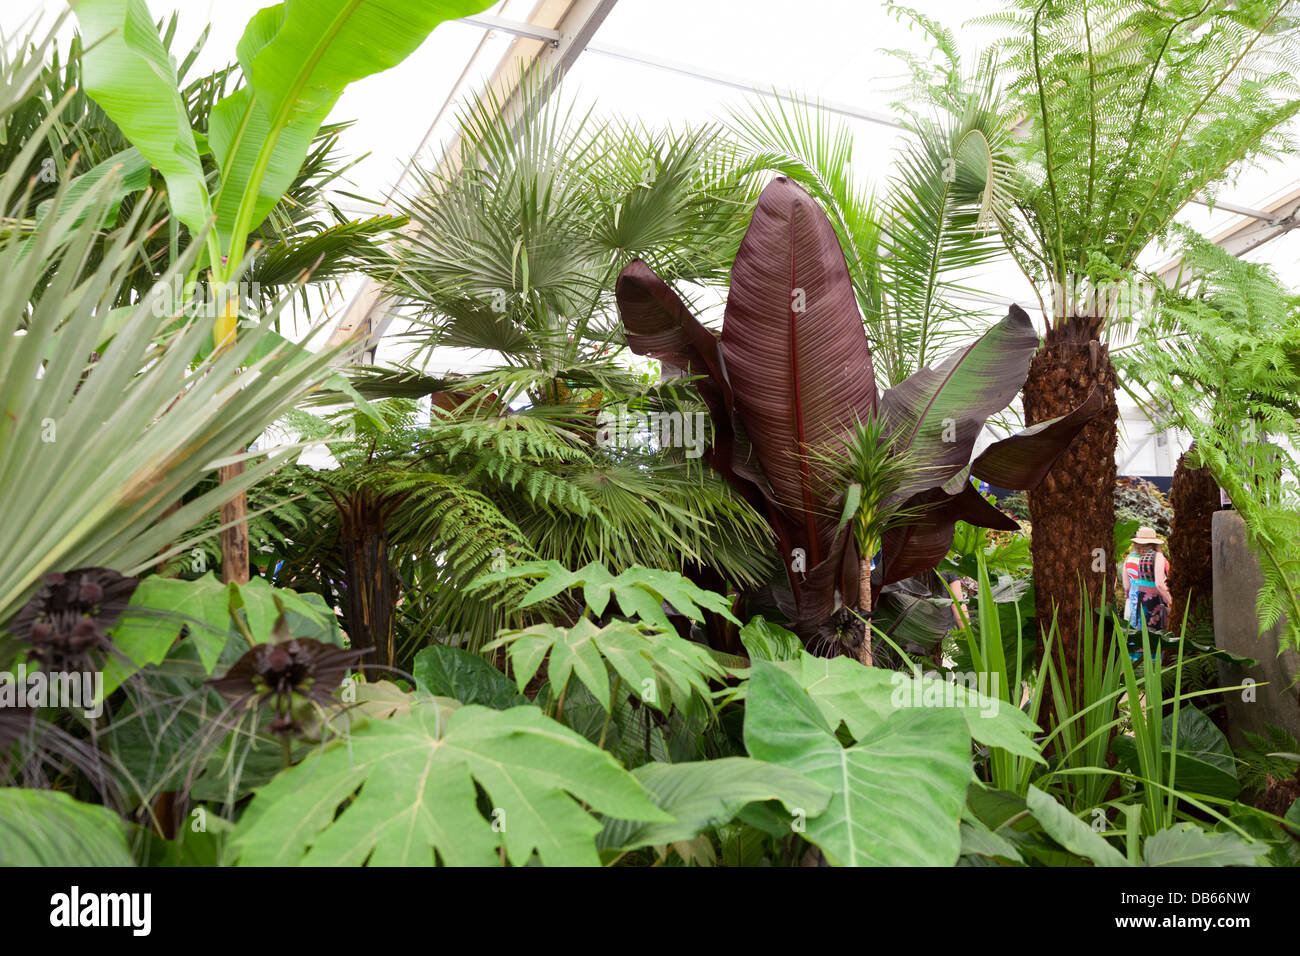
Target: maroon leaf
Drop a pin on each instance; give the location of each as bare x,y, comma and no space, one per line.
1024,459
660,325
938,413
796,356
922,544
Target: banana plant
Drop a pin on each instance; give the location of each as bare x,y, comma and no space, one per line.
790,383
296,58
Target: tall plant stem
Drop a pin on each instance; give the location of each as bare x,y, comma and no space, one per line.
234,513
865,654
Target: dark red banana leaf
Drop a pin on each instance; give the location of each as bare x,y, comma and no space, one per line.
1020,461
796,356
1024,459
792,371
938,413
658,324
922,543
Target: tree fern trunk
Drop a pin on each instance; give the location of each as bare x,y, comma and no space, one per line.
370,583
1073,510
1195,499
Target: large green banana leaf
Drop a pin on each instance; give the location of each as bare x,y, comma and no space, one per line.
297,58
128,73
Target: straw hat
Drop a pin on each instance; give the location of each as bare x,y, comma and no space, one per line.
1147,536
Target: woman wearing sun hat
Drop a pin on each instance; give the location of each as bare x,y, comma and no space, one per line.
1151,580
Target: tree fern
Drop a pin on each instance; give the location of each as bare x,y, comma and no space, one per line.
1230,375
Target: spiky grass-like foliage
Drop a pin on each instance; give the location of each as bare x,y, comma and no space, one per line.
876,474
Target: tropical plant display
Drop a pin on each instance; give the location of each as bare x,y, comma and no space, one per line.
1123,112
799,380
725,547
1230,376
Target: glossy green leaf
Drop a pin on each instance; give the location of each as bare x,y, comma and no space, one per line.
765,641
451,672
708,793
898,791
1071,832
1186,844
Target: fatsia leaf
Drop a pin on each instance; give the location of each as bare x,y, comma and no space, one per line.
908,617
897,793
127,71
708,793
49,828
659,667
407,786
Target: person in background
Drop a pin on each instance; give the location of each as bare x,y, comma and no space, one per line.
1153,597
1132,564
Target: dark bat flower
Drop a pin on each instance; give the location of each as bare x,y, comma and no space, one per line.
284,673
70,615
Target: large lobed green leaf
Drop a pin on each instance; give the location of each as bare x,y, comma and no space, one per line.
206,607
659,667
407,789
